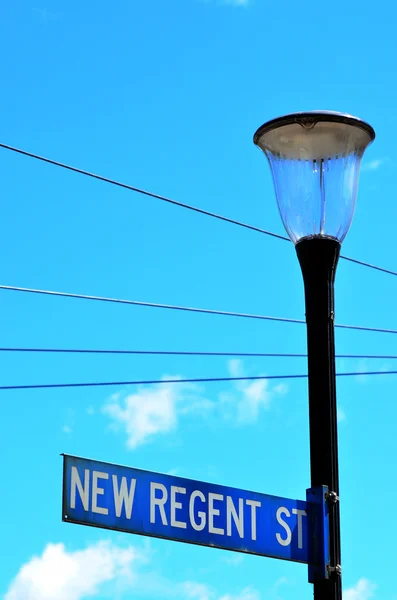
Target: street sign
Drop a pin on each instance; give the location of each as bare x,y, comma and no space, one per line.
153,504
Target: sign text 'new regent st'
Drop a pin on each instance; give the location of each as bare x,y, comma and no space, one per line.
153,504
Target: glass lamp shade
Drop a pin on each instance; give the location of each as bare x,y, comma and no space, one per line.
315,161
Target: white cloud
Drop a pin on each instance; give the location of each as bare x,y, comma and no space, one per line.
251,396
147,412
153,410
200,591
174,472
246,594
363,590
65,575
280,582
243,3
237,2
233,558
103,568
373,165
362,367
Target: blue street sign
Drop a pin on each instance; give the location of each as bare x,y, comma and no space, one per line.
141,502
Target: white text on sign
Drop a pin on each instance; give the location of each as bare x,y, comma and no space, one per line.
175,506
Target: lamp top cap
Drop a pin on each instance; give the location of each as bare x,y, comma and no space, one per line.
310,118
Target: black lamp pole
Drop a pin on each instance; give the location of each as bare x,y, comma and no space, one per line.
318,258
315,159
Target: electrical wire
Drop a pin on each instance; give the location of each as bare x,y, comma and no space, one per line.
190,353
148,304
369,265
152,352
186,308
132,188
175,202
169,381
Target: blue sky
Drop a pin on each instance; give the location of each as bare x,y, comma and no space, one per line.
166,95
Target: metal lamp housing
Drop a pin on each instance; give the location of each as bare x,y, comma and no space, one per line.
315,162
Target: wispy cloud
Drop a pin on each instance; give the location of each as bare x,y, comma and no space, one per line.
153,410
276,591
148,412
364,367
373,165
363,590
234,559
104,568
249,397
237,2
174,471
69,421
341,415
246,594
196,591
240,3
200,591
156,410
65,575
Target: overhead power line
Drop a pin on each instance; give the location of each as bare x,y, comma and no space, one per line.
184,308
148,304
369,265
174,202
132,188
152,352
171,381
190,353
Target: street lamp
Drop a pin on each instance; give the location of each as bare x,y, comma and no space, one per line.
315,162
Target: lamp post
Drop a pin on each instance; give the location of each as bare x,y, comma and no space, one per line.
315,162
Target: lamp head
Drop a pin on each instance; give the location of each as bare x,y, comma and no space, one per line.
315,161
